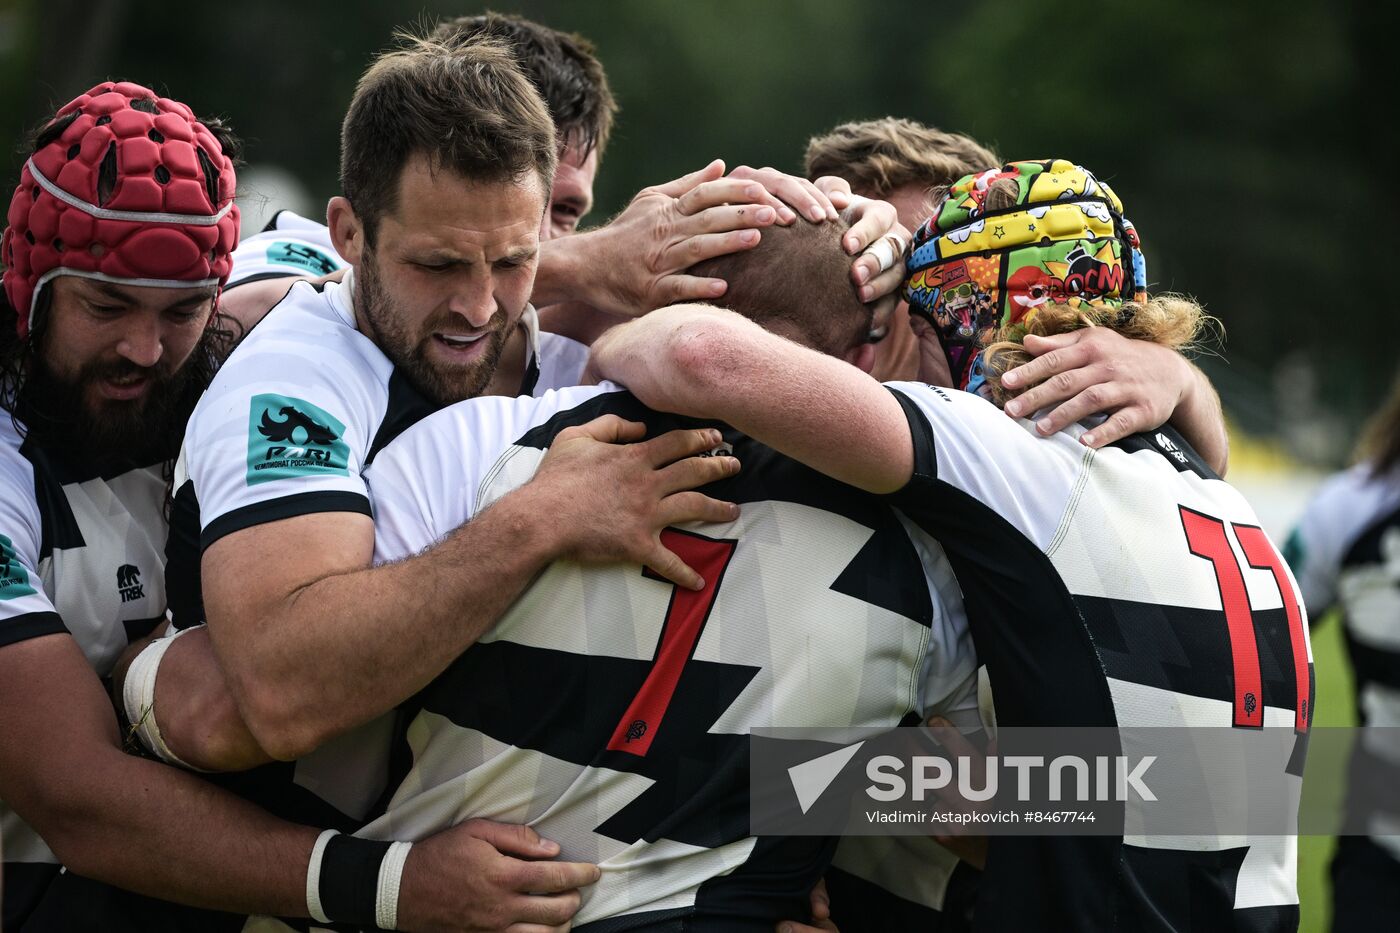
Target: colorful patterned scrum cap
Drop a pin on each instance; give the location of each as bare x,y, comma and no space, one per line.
1065,240
124,187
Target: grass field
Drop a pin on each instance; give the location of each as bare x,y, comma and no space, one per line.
1334,708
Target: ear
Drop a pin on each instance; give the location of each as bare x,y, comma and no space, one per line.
861,356
347,233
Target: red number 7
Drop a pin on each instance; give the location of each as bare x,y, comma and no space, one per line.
1206,537
685,620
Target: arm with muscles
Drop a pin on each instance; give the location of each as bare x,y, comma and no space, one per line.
156,830
1139,385
709,363
313,641
591,281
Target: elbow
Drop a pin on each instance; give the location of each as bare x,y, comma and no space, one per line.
697,358
281,726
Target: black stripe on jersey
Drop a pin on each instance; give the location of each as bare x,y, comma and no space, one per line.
1045,670
271,224
184,590
861,906
291,277
137,629
65,470
1373,665
59,528
1140,642
30,625
407,406
1173,889
271,510
1167,443
1366,549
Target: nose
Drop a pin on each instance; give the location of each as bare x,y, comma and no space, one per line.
142,342
474,299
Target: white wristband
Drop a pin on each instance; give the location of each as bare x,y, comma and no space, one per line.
313,877
139,699
386,904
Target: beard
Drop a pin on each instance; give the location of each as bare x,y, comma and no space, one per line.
61,415
391,331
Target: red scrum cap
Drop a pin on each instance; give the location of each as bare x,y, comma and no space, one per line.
124,186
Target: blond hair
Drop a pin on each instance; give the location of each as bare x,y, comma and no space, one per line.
878,156
1380,441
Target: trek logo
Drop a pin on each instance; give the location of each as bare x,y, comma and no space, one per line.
1169,448
307,258
290,437
14,579
129,583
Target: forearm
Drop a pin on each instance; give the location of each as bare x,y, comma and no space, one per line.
351,646
1202,423
564,273
814,408
156,830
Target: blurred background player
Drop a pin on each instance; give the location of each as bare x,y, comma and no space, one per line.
1345,553
1062,558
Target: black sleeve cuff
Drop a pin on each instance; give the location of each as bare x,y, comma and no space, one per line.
30,625
921,432
260,513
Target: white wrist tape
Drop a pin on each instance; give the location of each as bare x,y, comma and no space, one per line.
386,903
139,699
313,877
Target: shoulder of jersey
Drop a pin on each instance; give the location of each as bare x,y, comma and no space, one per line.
304,329
290,245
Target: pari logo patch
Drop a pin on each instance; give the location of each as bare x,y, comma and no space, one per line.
301,256
14,579
129,583
290,437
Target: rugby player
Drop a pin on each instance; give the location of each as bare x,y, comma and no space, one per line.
637,261
1345,552
117,244
903,162
1067,560
610,709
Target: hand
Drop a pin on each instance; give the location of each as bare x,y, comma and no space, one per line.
933,362
1096,370
871,221
821,913
612,497
788,192
481,875
970,848
640,258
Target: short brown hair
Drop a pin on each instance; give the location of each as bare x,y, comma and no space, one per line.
878,156
467,107
796,281
563,67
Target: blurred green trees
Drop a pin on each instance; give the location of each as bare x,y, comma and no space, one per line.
1250,141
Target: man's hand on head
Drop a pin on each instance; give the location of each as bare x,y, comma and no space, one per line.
638,261
610,493
878,241
1096,370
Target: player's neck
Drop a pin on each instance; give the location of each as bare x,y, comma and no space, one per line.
510,371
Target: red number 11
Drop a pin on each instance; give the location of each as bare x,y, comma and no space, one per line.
1206,537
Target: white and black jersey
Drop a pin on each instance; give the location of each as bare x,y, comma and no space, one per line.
290,245
1122,587
301,407
1345,552
611,711
82,553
